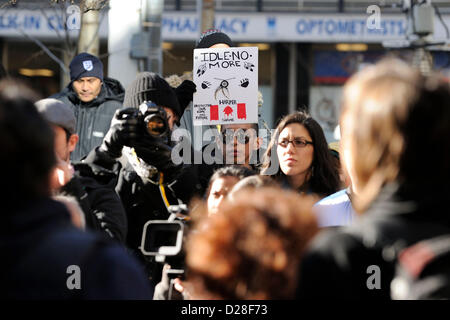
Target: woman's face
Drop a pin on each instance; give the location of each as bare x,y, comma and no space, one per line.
219,190
295,160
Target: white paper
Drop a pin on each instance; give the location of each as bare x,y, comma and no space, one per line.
227,86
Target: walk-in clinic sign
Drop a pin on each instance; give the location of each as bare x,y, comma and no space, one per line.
227,86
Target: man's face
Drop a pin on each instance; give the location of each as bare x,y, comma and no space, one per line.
87,88
238,141
64,147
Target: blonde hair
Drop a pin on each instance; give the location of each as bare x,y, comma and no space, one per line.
377,115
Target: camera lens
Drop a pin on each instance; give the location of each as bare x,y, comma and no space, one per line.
155,125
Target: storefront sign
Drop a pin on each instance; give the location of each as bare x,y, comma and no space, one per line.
266,27
262,27
46,24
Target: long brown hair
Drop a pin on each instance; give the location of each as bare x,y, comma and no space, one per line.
396,124
324,178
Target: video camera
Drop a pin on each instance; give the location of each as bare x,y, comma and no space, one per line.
163,240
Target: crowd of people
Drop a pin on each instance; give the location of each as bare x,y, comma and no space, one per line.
89,167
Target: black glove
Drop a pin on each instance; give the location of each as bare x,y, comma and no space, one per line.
184,93
155,152
122,132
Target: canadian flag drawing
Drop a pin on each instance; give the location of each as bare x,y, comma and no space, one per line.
228,112
241,112
214,112
227,86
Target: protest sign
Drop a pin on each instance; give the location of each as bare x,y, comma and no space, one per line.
227,86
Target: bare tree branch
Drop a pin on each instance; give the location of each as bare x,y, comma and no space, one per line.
46,18
96,32
56,49
69,44
95,5
33,56
42,52
8,3
46,50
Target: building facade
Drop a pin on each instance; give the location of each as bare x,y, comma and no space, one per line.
307,49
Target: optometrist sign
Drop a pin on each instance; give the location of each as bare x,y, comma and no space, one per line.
227,86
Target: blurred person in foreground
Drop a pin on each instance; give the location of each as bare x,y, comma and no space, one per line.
251,182
395,126
251,248
77,215
39,244
90,185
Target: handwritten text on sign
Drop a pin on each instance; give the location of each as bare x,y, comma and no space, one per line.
227,86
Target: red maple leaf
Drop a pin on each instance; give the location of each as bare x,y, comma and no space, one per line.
228,111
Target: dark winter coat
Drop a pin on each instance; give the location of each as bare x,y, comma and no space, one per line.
344,263
143,201
40,249
94,117
94,188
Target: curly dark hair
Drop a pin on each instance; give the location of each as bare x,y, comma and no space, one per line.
251,249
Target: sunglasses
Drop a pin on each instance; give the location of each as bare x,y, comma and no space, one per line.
242,135
296,142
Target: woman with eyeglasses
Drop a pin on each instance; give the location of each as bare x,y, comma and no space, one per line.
298,156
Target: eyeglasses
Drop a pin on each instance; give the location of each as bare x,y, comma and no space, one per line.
297,142
242,136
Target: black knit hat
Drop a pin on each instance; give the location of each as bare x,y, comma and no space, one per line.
149,86
85,65
211,37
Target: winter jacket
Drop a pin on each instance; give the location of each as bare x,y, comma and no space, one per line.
94,188
45,257
94,117
143,200
358,261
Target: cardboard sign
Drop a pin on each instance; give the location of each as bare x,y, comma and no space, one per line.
227,86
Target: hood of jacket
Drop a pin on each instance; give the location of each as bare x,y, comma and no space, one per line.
112,89
43,213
